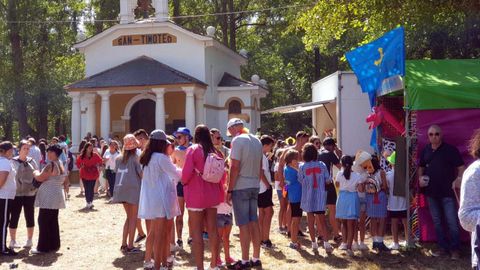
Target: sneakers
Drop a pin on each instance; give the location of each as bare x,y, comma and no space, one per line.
140,238
148,265
350,252
239,265
180,243
8,252
266,244
355,246
314,245
35,251
89,206
394,246
343,246
328,247
380,246
13,244
28,244
132,250
294,245
256,263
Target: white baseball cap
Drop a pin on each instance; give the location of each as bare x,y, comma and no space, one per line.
234,121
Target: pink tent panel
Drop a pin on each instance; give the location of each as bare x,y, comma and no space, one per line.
457,126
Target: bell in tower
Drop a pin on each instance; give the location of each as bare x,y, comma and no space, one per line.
144,9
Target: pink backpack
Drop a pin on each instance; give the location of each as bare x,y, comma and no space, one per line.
214,168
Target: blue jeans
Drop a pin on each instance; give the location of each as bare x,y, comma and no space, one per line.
445,208
89,186
245,205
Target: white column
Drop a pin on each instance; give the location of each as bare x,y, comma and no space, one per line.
199,107
91,113
105,114
159,108
161,10
75,120
189,107
83,116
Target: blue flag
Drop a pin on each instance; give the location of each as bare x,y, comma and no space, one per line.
378,60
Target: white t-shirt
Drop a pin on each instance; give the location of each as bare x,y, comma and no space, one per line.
8,190
266,172
395,203
224,208
351,184
110,163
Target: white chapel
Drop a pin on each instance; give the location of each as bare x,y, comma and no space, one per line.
152,73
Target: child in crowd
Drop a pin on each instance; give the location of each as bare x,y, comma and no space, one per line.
224,226
313,176
265,203
362,227
128,173
282,220
397,206
377,203
348,203
294,193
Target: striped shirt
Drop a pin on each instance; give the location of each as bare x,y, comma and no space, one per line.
313,176
50,195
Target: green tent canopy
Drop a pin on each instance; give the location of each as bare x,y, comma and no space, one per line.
443,84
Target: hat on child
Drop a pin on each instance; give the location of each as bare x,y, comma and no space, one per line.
130,142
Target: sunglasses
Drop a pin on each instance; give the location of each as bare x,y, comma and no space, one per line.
434,134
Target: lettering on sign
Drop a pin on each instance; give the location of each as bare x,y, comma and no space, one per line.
144,39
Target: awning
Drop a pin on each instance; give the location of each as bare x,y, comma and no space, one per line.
297,107
443,84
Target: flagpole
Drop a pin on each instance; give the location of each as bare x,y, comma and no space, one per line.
407,165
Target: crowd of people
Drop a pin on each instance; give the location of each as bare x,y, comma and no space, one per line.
157,178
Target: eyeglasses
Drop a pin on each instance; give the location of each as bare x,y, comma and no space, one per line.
434,134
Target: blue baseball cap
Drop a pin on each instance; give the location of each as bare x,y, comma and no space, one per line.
183,130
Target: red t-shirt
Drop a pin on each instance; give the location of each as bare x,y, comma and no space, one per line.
89,167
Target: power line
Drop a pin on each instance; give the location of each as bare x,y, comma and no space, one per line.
171,18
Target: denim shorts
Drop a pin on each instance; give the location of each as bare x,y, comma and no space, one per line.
224,220
245,205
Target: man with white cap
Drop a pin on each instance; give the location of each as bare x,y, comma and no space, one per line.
246,167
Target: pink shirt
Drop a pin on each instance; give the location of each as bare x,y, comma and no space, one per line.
198,192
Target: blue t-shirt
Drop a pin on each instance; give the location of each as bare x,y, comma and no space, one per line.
294,188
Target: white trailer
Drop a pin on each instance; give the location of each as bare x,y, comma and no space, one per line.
344,111
338,106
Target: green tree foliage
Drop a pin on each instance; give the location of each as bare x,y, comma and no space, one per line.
37,42
434,29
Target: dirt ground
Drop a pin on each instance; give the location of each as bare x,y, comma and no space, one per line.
91,240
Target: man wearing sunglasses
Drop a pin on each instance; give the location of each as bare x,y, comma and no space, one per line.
183,138
218,143
444,166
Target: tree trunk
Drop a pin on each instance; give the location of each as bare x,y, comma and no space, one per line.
232,26
224,22
42,105
18,68
176,11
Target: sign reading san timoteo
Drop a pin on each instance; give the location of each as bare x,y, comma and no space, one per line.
144,39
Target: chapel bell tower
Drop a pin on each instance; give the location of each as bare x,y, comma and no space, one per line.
127,9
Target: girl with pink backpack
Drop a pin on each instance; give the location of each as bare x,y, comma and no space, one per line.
201,176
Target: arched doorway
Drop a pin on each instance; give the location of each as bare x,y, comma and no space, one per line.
142,115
